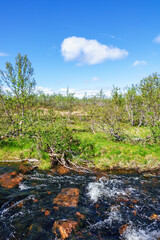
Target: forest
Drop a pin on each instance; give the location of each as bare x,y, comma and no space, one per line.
120,131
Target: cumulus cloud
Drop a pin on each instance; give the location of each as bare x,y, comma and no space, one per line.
45,90
77,92
139,62
3,54
86,51
81,92
157,39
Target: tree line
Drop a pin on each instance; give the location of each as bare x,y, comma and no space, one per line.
27,112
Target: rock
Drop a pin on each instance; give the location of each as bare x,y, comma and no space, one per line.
47,213
154,216
56,208
20,204
65,228
10,180
135,201
79,215
123,228
134,212
25,168
68,197
62,170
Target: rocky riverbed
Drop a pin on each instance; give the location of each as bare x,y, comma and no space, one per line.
61,204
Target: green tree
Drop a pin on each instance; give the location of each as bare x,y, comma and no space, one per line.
18,87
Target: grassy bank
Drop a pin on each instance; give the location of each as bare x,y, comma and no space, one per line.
94,150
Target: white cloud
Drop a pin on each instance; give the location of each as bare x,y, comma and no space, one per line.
3,54
81,92
45,90
77,92
89,52
157,39
137,63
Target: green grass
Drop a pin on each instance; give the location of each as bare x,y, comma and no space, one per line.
110,154
95,150
18,149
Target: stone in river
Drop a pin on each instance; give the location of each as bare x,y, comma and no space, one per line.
10,180
68,197
65,228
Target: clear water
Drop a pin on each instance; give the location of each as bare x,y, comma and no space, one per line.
107,203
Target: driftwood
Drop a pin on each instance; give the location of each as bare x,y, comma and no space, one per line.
60,159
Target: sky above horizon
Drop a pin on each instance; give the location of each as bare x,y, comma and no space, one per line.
84,45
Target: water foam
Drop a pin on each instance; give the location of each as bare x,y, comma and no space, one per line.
140,234
104,187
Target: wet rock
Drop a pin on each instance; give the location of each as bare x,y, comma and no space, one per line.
47,213
10,180
20,204
64,227
79,215
134,212
68,197
25,168
123,228
135,201
154,217
62,170
34,184
55,208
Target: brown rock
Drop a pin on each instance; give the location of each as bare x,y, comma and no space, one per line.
123,228
79,215
47,213
25,168
67,198
134,201
55,208
10,180
62,170
65,228
154,216
134,212
20,204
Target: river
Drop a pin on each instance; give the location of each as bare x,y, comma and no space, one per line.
112,206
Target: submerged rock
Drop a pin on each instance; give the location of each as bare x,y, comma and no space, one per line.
10,180
68,197
123,228
25,168
64,227
80,216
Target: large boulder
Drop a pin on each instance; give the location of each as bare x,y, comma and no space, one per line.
68,197
64,228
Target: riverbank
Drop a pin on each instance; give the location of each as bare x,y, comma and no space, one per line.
102,154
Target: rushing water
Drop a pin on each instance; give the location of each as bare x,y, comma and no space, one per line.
120,206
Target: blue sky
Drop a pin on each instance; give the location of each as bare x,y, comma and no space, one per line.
86,45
